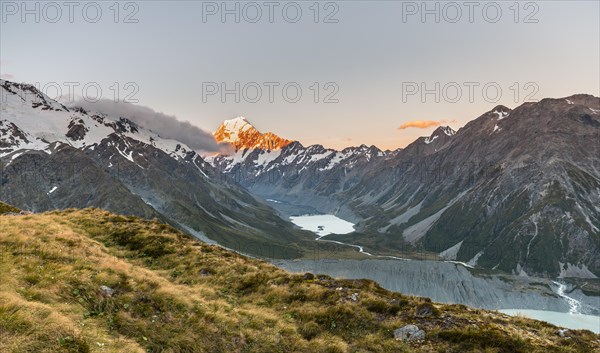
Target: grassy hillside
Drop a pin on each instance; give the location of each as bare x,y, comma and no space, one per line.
4,208
168,293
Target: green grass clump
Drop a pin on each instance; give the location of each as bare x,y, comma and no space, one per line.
382,306
309,330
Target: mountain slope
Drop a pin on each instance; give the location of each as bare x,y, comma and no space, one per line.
241,134
300,179
91,281
516,190
53,157
4,208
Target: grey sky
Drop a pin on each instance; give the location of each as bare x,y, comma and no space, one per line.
368,55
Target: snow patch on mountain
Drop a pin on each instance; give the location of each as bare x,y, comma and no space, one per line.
32,121
502,115
429,140
320,156
439,132
337,158
234,127
266,157
448,130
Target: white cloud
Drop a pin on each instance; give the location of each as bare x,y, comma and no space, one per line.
165,125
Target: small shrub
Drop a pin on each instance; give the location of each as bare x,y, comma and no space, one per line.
126,237
393,309
156,247
382,307
32,278
376,305
309,330
117,219
298,295
426,310
252,282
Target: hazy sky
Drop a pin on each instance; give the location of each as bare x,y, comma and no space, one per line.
369,58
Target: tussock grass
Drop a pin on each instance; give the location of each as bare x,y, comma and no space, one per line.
173,294
5,208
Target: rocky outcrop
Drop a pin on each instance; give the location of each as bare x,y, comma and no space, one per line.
409,333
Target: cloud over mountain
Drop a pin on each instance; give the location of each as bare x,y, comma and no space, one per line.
423,124
168,125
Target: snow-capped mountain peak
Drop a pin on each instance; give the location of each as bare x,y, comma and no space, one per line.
232,128
31,120
240,133
446,130
28,94
441,131
237,123
501,112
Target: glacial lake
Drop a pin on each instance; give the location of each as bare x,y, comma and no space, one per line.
323,224
572,321
450,282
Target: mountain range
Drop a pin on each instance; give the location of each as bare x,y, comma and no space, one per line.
515,190
55,157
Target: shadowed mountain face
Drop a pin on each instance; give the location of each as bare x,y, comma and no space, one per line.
516,190
53,157
301,179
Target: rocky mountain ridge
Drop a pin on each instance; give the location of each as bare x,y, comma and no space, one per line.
54,157
514,189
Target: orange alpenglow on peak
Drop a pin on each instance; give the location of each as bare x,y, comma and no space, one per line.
241,134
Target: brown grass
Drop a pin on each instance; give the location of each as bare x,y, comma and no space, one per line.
173,294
